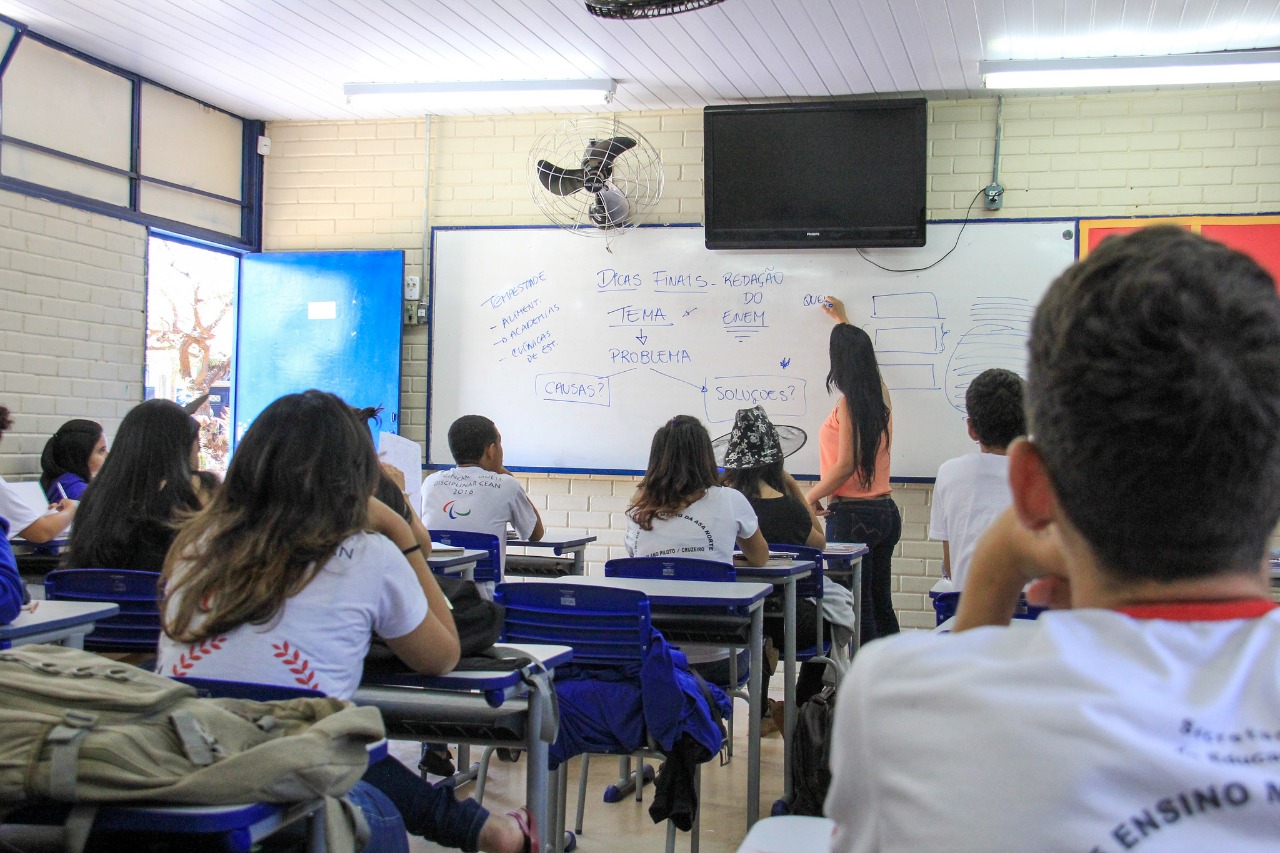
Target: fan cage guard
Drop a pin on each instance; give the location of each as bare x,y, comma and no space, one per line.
636,172
633,9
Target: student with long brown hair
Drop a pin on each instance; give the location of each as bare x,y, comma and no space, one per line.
289,571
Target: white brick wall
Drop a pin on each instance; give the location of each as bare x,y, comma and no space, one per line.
1170,153
72,321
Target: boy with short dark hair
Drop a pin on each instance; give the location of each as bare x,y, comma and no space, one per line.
1147,714
480,495
973,489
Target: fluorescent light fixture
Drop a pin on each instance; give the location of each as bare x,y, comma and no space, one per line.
1242,66
494,93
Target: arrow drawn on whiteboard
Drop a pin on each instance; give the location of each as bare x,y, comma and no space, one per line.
619,373
687,313
786,362
642,338
702,388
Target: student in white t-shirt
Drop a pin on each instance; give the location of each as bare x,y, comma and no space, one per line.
292,567
479,495
1146,714
972,490
681,510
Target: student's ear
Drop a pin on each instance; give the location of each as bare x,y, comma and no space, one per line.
968,423
1033,496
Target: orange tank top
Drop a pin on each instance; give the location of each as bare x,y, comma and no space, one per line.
829,452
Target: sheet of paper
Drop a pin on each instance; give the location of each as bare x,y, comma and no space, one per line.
405,455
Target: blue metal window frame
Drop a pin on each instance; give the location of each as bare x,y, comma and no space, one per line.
250,237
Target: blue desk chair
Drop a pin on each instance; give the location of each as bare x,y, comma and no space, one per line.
811,587
488,569
945,605
607,627
688,569
136,628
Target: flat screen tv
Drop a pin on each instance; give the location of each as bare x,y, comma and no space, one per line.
829,174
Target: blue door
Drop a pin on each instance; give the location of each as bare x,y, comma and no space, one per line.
327,320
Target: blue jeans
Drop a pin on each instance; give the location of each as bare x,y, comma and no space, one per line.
431,811
386,828
877,523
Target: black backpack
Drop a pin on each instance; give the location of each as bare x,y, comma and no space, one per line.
811,753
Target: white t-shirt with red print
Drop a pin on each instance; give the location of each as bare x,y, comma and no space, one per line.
320,637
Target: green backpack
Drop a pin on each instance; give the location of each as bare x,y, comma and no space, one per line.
76,727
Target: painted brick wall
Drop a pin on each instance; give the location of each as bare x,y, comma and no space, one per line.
72,322
362,184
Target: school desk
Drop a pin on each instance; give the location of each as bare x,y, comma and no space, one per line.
786,576
706,613
486,708
788,833
561,544
64,622
456,563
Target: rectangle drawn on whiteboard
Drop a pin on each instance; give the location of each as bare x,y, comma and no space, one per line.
909,377
572,388
923,305
781,396
922,339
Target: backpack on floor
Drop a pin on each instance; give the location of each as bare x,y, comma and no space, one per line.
811,753
76,727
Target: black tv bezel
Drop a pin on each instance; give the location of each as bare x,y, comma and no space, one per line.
861,237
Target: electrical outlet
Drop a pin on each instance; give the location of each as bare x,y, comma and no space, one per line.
410,313
993,196
412,288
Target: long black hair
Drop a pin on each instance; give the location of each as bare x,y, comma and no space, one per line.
856,374
142,489
298,486
67,451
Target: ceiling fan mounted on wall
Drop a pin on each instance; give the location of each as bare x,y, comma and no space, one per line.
636,9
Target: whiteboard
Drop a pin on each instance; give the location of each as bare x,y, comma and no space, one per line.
579,353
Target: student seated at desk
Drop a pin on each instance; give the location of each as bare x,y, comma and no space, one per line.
972,490
753,464
1145,715
479,495
681,510
292,567
71,458
24,520
146,488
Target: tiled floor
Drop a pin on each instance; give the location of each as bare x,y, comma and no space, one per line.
625,827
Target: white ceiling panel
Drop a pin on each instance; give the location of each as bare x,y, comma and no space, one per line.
288,59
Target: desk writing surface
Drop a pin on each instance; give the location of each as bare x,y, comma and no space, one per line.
671,592
42,615
579,354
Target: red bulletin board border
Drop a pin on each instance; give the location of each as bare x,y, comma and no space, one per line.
1258,236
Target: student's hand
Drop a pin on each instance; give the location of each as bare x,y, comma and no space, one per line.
395,474
834,309
63,505
1008,556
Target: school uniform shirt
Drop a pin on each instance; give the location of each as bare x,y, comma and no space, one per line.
970,491
15,510
707,529
1098,731
73,485
321,636
473,499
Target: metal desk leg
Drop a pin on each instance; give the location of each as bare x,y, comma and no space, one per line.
789,673
580,560
536,771
755,687
856,566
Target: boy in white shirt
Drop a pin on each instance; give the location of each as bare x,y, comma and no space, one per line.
480,495
1144,712
973,489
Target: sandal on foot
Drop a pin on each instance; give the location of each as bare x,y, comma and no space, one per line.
528,828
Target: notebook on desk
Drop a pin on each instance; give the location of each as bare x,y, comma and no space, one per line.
776,558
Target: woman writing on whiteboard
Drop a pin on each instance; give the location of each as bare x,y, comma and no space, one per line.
853,456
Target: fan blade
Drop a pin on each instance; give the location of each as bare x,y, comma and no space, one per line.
606,150
559,181
610,209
